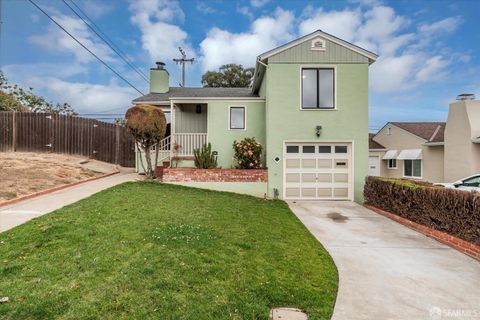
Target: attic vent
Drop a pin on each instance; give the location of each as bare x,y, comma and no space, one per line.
318,44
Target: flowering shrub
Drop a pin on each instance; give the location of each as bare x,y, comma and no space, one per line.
247,154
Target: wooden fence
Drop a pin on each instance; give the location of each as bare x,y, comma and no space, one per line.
49,132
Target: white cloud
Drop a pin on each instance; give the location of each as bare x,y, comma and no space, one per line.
95,8
343,24
56,40
259,3
221,47
393,73
160,38
404,59
432,69
205,8
245,10
48,80
441,27
86,97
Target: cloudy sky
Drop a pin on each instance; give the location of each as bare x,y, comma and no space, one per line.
429,50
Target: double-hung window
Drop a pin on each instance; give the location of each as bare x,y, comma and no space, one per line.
318,88
237,118
412,168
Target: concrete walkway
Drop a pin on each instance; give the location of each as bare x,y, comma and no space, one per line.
18,213
388,271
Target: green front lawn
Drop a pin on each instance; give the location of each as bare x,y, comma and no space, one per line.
147,250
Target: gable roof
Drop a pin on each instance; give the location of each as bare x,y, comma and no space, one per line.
201,93
319,33
429,131
373,144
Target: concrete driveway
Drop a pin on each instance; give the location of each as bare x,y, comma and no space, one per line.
388,271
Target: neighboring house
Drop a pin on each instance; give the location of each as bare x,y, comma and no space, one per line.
308,107
431,151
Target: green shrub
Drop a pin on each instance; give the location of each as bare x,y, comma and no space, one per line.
204,158
247,154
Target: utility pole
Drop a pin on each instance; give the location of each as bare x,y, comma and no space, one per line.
183,61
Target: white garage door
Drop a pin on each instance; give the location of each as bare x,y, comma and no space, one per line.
318,171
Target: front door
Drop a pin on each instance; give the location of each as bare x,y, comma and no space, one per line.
374,166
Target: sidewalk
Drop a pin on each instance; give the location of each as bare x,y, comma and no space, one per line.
18,213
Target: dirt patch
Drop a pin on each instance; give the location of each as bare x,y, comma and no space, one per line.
337,217
26,173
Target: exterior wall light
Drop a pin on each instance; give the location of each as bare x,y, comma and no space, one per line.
318,131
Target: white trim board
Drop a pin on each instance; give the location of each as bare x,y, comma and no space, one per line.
370,55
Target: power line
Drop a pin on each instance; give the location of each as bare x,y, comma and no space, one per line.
83,46
183,61
105,39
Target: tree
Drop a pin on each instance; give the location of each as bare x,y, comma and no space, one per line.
15,98
228,76
147,124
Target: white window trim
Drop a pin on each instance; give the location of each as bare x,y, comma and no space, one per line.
244,117
319,66
414,177
392,168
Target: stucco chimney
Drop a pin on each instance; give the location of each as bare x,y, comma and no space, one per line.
159,79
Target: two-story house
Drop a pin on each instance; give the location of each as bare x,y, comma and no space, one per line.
308,107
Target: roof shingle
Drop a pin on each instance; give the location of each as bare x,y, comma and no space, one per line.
430,131
182,92
373,144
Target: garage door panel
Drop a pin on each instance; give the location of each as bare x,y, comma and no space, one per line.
309,177
340,177
308,192
292,192
317,171
324,163
341,163
324,177
292,163
308,163
340,192
324,192
293,177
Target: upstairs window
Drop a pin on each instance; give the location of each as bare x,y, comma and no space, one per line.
318,88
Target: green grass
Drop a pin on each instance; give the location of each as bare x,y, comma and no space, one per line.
146,250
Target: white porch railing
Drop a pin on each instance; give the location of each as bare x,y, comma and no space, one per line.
187,142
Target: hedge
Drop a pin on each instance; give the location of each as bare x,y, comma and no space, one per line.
448,210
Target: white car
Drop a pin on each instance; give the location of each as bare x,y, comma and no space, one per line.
471,183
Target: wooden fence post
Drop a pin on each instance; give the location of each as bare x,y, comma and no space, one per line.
14,131
117,144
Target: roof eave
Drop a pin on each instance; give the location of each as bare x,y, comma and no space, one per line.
370,55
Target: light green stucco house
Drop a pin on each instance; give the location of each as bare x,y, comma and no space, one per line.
308,106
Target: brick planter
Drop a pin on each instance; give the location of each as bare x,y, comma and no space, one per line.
213,175
461,245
